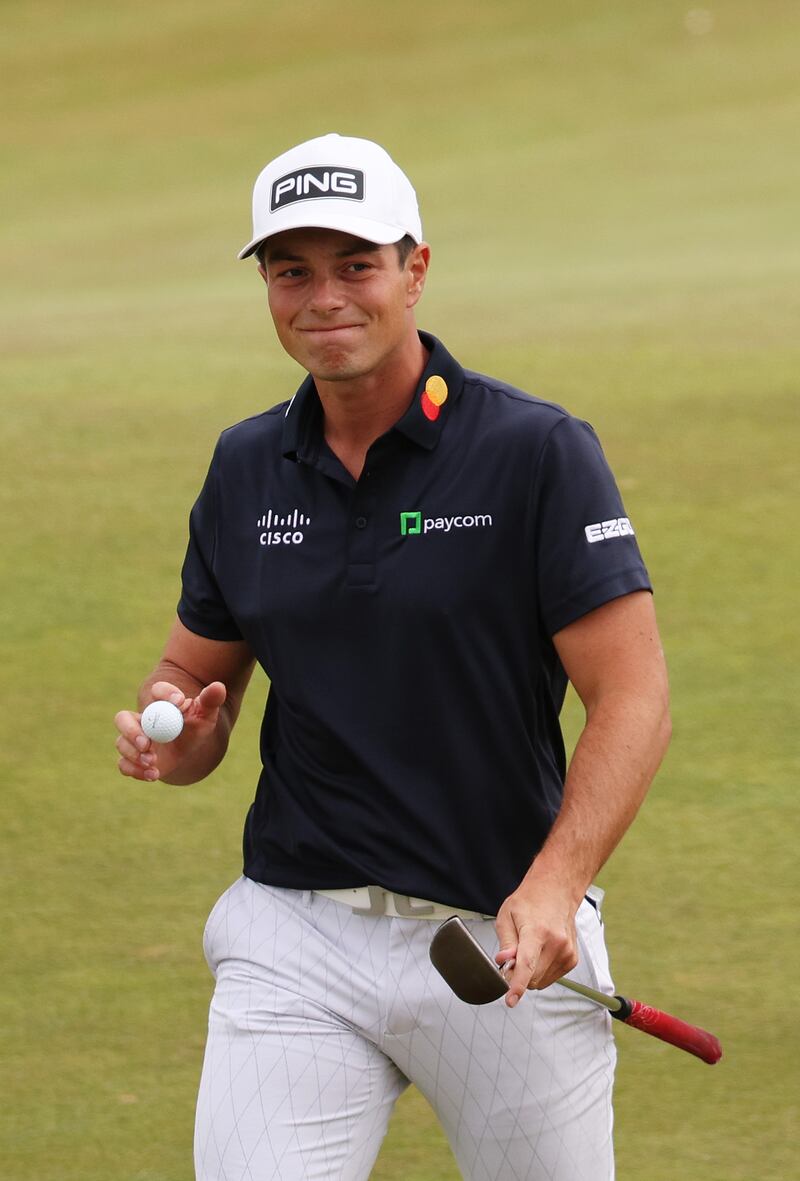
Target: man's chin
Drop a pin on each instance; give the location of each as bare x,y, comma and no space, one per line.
334,365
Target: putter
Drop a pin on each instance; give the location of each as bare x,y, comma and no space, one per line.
476,979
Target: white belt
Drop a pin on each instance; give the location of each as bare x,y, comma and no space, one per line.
375,901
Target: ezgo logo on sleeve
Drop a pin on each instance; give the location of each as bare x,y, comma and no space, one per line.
605,530
412,523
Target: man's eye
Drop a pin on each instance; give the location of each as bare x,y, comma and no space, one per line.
359,266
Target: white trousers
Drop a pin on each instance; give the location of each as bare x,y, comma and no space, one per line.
321,1017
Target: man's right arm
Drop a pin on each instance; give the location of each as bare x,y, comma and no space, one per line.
206,679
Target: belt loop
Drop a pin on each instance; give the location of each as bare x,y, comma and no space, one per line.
377,902
595,896
407,910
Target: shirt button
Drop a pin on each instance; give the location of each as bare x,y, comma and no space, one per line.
361,522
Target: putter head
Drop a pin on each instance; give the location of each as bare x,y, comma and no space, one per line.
458,957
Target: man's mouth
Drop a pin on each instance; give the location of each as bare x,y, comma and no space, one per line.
328,329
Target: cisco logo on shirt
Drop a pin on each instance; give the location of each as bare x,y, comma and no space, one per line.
283,530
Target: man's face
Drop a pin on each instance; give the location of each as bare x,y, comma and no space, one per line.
342,307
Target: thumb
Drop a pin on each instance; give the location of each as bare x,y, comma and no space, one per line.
210,699
507,935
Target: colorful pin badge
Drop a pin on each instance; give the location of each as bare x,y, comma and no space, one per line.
433,397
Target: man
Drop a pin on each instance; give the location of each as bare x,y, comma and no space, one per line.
419,557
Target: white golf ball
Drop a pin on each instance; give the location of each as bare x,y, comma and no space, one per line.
162,721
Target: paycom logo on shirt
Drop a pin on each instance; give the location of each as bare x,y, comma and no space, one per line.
412,523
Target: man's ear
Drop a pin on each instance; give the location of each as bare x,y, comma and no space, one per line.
417,267
262,272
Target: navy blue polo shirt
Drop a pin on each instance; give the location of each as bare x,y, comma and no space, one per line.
410,737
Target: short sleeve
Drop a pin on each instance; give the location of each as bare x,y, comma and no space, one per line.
586,548
202,607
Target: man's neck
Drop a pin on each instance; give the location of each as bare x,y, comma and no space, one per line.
358,412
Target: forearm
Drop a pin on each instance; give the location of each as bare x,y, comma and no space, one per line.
615,760
614,659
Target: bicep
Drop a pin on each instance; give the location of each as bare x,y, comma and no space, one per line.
615,649
205,660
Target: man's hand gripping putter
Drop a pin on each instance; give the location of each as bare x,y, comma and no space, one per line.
475,978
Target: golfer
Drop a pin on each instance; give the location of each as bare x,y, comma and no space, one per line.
420,557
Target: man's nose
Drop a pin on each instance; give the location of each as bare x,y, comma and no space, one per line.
326,294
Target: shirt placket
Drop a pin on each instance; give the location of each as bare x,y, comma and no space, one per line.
361,534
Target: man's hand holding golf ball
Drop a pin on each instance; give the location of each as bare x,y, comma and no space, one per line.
171,731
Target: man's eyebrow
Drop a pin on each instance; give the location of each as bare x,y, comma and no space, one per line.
281,256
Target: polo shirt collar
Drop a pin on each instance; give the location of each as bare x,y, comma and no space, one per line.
438,390
302,421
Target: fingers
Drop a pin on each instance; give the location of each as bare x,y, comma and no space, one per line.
523,974
538,945
507,937
543,956
133,769
142,759
164,691
138,760
514,969
203,707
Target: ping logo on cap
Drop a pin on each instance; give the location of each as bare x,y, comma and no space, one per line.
308,183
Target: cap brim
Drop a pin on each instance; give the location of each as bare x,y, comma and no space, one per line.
360,227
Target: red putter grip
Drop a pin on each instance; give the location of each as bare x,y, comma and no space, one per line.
670,1029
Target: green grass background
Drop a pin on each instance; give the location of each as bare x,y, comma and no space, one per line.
611,195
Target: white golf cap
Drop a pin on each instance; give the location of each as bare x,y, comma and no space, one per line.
335,182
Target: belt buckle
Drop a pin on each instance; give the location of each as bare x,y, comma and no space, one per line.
403,905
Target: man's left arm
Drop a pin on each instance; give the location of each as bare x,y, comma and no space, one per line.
614,659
